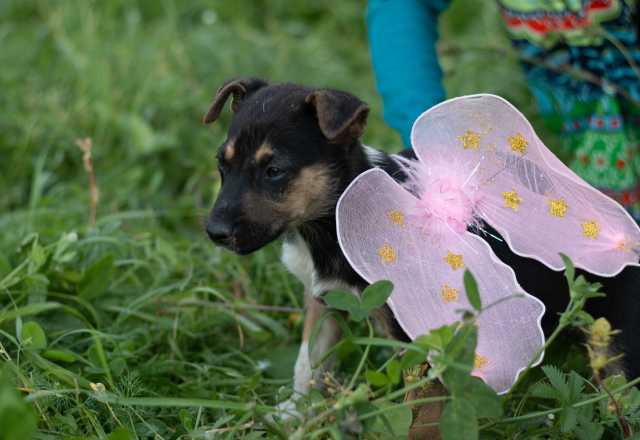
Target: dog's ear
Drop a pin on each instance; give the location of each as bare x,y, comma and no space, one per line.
239,88
341,116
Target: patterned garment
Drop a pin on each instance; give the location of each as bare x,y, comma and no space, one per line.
581,60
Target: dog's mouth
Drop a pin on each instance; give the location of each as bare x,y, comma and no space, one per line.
248,242
229,243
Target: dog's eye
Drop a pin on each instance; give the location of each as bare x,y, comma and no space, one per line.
273,172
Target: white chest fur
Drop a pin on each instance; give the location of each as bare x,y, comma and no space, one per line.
297,259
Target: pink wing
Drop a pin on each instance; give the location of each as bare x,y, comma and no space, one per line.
538,204
381,243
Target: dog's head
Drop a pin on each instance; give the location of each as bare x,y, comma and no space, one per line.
284,160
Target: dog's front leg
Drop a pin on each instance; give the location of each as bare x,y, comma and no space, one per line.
309,356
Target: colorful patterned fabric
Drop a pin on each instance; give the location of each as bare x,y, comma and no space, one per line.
580,58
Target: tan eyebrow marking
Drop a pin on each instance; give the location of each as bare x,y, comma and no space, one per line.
229,150
264,151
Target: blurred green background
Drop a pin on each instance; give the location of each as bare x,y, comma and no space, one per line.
142,302
136,77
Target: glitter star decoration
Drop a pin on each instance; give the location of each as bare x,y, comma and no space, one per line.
454,260
480,361
511,199
448,294
591,229
518,143
396,217
470,140
558,207
387,254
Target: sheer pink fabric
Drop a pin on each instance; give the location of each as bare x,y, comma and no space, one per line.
596,232
479,158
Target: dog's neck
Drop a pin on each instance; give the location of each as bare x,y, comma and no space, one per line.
320,234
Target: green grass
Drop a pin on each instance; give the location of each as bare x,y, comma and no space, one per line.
188,341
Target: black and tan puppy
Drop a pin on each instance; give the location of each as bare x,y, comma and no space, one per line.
289,154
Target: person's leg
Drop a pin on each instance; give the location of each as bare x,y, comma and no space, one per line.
604,150
402,40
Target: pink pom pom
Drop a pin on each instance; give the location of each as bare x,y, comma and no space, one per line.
447,196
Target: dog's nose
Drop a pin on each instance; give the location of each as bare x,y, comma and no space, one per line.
219,231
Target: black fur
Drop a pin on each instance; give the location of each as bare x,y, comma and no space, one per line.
297,128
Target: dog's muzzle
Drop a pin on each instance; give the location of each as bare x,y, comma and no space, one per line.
220,232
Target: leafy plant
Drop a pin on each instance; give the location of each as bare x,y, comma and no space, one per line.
373,297
17,418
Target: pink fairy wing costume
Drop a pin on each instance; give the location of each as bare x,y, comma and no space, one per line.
479,158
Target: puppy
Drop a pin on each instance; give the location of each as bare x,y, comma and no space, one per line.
289,154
